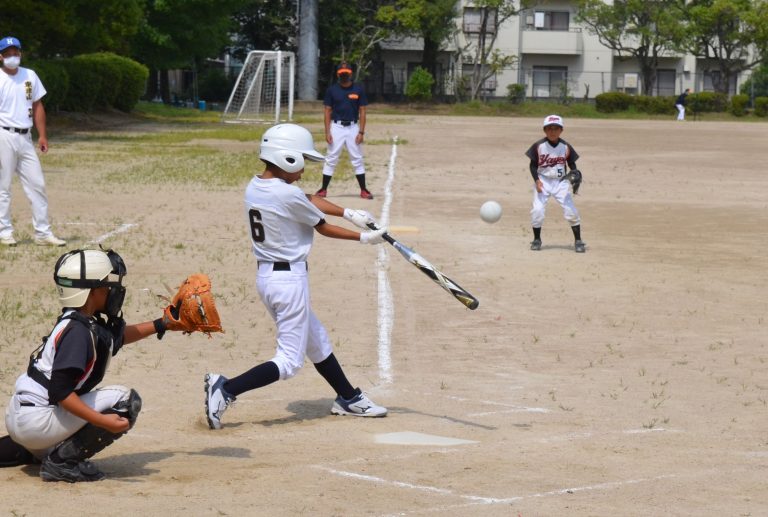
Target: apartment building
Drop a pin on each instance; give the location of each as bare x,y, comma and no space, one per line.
556,57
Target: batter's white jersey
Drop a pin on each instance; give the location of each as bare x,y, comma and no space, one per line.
281,220
17,93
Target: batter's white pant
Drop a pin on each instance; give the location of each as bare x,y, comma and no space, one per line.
299,332
561,191
680,112
344,136
17,154
39,429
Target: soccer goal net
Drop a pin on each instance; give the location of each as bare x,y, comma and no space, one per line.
263,91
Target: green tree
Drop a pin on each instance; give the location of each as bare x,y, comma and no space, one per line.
487,61
181,34
49,28
640,29
731,34
265,25
432,20
757,84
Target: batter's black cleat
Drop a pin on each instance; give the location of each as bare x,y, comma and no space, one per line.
71,471
580,247
536,245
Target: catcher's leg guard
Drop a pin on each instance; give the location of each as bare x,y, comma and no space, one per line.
12,454
91,439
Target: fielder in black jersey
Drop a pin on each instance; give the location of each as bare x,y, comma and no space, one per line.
549,158
57,416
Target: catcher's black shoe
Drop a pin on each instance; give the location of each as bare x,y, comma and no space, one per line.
536,244
580,247
71,471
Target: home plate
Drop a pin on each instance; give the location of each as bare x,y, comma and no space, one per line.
411,438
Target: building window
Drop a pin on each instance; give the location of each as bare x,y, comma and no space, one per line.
712,78
473,20
665,83
551,20
549,81
489,84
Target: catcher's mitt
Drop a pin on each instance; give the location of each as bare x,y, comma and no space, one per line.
193,308
575,178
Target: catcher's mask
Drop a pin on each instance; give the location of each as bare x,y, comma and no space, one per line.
78,271
287,146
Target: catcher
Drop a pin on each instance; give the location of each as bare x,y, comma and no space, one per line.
57,416
548,160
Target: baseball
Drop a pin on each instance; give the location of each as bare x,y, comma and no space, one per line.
490,212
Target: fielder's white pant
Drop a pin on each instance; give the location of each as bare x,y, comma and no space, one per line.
299,332
39,429
561,191
344,136
17,154
680,111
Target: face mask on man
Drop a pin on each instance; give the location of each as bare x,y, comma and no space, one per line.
12,62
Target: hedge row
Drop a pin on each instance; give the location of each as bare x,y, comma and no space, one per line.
699,102
90,81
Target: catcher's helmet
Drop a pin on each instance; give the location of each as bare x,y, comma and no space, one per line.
287,145
78,271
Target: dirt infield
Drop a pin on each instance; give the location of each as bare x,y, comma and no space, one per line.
630,380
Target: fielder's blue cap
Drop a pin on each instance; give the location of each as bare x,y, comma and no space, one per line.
9,41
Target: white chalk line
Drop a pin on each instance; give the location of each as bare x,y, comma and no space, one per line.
590,434
510,408
488,500
386,306
120,229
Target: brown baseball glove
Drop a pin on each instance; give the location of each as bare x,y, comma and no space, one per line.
192,308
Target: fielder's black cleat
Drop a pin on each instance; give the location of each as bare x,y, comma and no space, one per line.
71,471
536,245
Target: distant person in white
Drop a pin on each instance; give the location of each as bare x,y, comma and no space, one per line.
680,104
20,108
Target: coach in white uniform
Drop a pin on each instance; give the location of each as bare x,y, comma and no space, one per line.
20,107
282,221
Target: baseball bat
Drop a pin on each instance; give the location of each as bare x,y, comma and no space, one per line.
431,271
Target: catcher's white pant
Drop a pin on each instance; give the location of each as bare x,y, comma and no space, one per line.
17,154
561,191
299,332
680,111
344,136
41,428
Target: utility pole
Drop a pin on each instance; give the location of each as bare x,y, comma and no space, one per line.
308,50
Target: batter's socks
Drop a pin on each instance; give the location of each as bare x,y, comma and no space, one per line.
361,181
256,377
576,232
331,371
326,182
537,234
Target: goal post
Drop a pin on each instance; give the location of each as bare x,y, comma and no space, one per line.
264,89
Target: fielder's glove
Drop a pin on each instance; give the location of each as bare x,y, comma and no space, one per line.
575,178
359,218
192,308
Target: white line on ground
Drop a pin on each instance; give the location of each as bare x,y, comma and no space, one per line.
386,306
488,500
511,407
122,228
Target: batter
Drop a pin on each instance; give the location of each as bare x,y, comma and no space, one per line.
282,221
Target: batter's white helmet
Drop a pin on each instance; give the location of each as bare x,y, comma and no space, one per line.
77,272
287,145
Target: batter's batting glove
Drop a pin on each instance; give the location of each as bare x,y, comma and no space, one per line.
359,218
373,237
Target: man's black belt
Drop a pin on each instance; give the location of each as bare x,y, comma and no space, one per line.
283,266
27,404
22,131
346,122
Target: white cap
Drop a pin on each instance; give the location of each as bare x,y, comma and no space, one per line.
553,120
